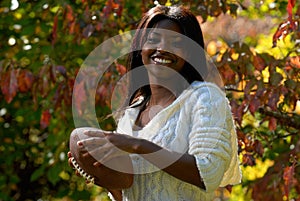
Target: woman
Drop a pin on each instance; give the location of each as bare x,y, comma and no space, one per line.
180,135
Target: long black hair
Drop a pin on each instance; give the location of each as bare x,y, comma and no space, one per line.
190,27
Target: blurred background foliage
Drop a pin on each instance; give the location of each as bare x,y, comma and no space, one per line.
254,43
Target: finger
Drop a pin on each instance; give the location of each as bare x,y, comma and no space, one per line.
97,164
87,155
98,152
81,149
94,133
99,155
101,160
70,163
69,154
77,173
110,154
92,142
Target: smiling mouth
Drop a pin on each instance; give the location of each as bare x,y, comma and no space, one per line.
162,61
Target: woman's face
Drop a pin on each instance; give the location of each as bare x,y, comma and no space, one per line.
155,50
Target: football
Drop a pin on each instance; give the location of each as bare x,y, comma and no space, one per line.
109,175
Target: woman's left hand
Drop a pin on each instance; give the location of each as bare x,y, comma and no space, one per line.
104,146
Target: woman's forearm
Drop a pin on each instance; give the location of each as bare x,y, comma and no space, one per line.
181,166
117,194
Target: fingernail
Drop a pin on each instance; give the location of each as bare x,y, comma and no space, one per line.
97,164
79,143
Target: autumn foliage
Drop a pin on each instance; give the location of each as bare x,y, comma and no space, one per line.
44,44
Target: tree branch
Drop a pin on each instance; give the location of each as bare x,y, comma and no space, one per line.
285,118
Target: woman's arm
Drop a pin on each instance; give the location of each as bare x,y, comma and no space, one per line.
210,150
180,165
115,176
117,194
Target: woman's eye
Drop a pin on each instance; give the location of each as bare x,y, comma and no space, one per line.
178,44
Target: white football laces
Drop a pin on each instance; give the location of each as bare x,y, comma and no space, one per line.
82,173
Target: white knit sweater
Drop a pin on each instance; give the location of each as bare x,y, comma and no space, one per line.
199,122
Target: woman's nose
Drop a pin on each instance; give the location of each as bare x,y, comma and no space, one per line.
163,46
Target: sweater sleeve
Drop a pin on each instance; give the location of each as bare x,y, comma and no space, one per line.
210,136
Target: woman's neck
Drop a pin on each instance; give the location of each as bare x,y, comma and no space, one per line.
165,91
161,96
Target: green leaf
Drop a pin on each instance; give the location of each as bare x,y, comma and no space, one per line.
37,173
53,174
2,180
291,84
275,78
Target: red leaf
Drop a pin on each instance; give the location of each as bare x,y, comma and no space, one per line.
240,112
80,97
249,86
25,80
293,62
57,98
119,10
120,68
229,188
259,63
114,5
67,95
52,73
288,176
289,8
71,83
45,119
228,74
248,159
44,86
282,31
72,27
254,104
273,99
54,30
258,147
69,15
98,26
237,111
110,6
9,85
102,94
272,124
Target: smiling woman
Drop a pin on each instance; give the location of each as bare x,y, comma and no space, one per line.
158,41
179,136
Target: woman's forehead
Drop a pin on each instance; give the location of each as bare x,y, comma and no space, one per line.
166,24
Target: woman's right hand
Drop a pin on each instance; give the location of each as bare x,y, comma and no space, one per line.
72,166
117,194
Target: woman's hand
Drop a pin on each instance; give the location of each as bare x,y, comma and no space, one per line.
72,166
104,146
116,174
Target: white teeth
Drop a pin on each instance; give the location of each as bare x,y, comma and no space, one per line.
162,61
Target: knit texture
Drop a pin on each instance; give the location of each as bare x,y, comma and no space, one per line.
199,122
